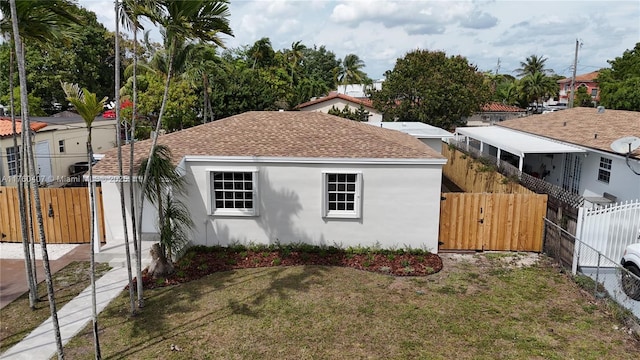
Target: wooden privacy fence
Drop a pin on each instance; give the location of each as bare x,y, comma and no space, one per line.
65,213
484,221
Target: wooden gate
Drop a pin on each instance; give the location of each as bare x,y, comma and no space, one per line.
490,221
65,212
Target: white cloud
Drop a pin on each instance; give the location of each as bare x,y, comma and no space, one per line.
380,31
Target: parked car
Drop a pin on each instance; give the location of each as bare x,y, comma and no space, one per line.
631,279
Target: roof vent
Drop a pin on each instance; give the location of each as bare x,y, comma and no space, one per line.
600,109
595,136
564,124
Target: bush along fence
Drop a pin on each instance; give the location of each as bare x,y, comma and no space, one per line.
602,276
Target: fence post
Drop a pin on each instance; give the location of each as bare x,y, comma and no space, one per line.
595,290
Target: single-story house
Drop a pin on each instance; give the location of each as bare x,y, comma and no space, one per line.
495,112
267,177
428,134
570,149
61,146
339,101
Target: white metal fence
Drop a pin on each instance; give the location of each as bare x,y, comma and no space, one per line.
608,230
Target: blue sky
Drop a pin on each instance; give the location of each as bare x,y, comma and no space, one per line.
484,31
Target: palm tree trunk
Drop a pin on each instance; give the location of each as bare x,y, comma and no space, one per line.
132,201
92,204
25,121
22,74
145,178
123,206
31,283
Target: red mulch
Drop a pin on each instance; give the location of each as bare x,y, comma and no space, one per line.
195,265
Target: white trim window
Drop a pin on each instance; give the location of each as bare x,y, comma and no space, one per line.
234,192
604,171
13,160
341,194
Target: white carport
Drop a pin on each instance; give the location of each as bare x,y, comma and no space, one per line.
515,142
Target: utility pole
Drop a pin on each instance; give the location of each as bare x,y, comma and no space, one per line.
498,67
573,78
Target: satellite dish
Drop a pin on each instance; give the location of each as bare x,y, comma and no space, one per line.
626,145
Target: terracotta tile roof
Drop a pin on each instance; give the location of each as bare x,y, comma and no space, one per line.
592,76
498,107
335,95
6,129
279,134
581,126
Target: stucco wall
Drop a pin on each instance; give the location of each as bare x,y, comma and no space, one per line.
623,183
400,207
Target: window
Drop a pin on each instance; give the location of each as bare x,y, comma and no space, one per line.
594,92
604,172
61,146
233,193
342,195
13,160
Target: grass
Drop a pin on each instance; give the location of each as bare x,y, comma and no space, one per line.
480,308
18,320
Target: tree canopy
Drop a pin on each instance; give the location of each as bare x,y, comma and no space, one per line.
433,88
620,85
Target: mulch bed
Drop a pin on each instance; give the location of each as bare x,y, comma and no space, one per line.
197,264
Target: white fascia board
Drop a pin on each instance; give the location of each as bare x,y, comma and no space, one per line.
294,160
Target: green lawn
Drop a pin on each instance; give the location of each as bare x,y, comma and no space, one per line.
477,307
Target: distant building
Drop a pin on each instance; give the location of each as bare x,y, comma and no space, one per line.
589,81
495,112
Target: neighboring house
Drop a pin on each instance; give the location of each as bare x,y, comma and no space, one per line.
428,134
588,81
9,154
61,146
287,177
495,112
570,149
324,104
360,90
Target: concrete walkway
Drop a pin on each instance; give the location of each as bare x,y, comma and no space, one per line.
72,317
76,314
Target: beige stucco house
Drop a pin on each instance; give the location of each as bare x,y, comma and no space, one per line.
339,101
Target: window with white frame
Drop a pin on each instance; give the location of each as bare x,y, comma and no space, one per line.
342,194
233,193
604,172
13,160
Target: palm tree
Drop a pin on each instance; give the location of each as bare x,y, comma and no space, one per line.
182,21
163,179
532,65
350,71
203,61
88,106
45,24
37,21
295,56
262,52
538,86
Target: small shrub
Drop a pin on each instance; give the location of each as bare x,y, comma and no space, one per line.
404,263
391,257
243,254
366,263
276,262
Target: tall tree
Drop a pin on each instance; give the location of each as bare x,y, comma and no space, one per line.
350,71
430,87
182,21
295,56
89,107
532,65
620,85
261,53
36,21
538,87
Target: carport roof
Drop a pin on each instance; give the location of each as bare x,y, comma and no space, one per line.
516,142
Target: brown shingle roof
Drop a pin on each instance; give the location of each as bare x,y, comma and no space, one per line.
6,128
279,134
335,95
582,126
498,107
